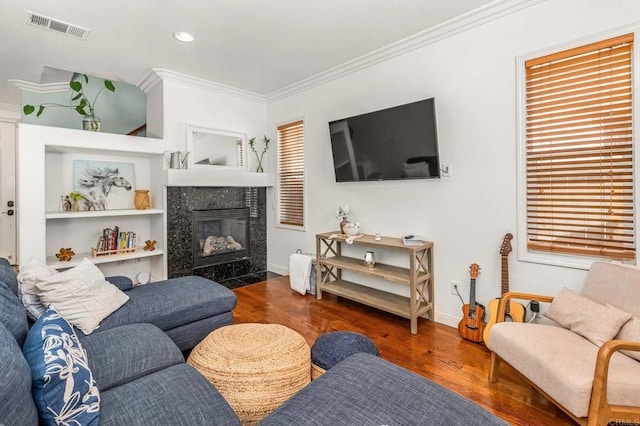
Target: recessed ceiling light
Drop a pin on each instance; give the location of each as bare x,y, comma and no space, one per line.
183,36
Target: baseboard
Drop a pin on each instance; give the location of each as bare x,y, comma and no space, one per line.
278,269
447,319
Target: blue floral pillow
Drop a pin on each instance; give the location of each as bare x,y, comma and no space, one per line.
63,388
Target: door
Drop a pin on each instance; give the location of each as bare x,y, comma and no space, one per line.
7,191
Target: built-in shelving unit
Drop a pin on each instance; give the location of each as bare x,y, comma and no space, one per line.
418,276
47,153
102,213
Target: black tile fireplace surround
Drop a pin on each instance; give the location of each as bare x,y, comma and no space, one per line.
182,201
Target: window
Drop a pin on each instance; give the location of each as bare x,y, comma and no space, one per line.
291,174
579,151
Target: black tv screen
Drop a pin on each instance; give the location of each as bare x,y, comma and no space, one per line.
394,143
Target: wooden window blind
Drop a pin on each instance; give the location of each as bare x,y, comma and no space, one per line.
291,174
579,151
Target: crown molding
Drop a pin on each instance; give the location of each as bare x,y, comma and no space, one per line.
459,24
156,75
41,88
10,112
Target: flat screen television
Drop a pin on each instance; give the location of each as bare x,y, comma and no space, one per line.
395,143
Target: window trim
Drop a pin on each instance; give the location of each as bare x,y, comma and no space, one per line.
557,259
304,226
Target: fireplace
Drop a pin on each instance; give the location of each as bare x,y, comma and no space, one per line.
220,236
226,267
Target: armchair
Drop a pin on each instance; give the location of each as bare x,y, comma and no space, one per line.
594,384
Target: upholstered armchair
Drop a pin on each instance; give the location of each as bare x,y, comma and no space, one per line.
587,360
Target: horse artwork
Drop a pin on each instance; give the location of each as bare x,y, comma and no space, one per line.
105,185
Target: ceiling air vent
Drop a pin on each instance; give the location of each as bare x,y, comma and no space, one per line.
57,26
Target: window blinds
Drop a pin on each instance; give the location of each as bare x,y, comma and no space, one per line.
579,153
291,174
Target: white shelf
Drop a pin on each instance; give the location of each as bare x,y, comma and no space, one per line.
217,177
77,258
102,213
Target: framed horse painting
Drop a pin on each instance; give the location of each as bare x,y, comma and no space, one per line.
105,185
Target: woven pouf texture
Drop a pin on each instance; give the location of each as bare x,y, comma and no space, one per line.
331,348
256,367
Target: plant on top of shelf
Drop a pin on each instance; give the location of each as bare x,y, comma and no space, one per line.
84,107
252,144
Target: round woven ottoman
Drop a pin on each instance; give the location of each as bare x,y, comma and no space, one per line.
331,348
256,367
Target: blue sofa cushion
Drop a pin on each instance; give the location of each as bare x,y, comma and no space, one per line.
177,395
367,390
119,355
8,275
122,282
172,303
16,404
12,314
63,388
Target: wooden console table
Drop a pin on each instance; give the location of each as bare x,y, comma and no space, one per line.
418,276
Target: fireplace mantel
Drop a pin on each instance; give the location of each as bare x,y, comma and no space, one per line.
217,178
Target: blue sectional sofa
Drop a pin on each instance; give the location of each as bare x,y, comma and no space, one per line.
134,356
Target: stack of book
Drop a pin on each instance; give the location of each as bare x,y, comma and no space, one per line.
113,241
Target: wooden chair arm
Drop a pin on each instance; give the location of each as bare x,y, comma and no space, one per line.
599,409
515,295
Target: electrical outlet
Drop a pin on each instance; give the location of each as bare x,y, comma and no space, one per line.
454,286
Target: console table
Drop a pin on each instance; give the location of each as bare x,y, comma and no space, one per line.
418,276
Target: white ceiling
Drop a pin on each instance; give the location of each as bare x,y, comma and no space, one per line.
256,45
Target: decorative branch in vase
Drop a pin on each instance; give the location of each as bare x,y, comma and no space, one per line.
84,107
252,144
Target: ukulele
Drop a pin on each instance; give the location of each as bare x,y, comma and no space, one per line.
514,311
471,325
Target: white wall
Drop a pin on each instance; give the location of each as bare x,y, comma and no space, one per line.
185,104
472,76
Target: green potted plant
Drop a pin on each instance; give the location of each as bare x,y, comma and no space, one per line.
84,107
76,197
252,144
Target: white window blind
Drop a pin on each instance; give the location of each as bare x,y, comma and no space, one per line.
291,174
579,151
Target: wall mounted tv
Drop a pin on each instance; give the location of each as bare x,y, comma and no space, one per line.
394,143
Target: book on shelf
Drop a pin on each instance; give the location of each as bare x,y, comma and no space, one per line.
114,241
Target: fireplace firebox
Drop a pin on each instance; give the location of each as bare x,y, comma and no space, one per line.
220,235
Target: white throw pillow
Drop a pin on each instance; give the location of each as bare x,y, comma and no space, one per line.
35,270
81,295
593,321
631,331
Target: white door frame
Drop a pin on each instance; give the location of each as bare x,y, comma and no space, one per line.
9,118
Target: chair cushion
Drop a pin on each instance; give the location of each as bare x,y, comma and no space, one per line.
63,388
17,407
631,331
562,363
596,322
81,295
12,314
119,355
614,284
173,303
367,390
177,395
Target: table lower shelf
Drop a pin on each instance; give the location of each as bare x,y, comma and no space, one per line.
388,302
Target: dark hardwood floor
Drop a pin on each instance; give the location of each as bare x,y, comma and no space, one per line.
437,352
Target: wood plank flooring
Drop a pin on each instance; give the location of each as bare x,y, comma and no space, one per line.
437,352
